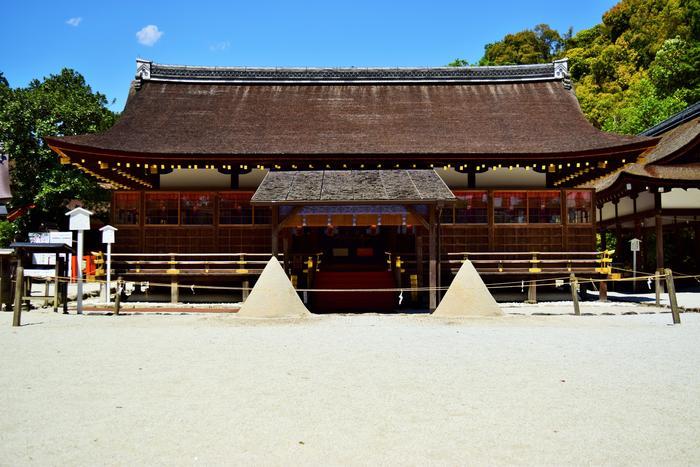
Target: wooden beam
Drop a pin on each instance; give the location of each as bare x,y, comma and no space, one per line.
282,223
418,216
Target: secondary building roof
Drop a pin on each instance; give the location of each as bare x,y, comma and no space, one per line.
673,163
352,187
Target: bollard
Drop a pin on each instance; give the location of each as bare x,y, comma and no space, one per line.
658,287
117,296
672,296
19,279
532,292
573,283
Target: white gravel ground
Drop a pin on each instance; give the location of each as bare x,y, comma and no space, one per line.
360,389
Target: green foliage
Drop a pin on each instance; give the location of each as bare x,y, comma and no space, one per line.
59,105
643,109
458,62
538,45
8,231
637,67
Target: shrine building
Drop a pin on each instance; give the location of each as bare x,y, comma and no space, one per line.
346,170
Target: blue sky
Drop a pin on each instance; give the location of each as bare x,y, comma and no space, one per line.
99,38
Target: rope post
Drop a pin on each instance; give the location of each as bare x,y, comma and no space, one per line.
532,292
573,283
245,290
603,291
19,279
672,296
659,287
117,296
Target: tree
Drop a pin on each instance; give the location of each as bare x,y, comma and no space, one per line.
59,105
538,45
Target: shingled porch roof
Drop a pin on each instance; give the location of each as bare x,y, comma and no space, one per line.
352,187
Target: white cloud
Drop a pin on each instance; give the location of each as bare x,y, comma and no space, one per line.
220,46
149,35
74,21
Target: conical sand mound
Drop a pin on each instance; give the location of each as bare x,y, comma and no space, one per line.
273,296
468,296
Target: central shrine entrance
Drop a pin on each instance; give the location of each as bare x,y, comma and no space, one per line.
349,252
356,230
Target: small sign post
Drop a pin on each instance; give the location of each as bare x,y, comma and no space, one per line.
79,219
634,248
108,239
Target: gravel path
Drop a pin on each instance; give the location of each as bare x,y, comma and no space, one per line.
396,389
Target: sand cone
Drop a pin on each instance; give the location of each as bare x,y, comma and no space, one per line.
467,296
273,296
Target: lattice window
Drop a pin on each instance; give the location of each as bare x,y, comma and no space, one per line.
235,208
578,206
472,207
544,207
510,207
162,208
196,208
127,207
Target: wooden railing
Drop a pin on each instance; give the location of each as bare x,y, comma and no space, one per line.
207,264
140,266
535,263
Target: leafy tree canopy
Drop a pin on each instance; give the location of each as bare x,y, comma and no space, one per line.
58,105
637,67
538,45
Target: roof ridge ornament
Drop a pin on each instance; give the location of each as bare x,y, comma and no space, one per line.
561,71
143,71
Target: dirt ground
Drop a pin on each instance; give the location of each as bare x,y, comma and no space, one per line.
351,389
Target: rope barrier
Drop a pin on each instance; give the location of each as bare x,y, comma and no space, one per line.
554,282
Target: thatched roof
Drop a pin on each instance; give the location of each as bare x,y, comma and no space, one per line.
352,186
676,158
198,113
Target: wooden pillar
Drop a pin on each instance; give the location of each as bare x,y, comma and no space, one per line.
432,258
275,230
658,223
492,227
419,259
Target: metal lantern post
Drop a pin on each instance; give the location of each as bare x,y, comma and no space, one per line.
79,219
108,239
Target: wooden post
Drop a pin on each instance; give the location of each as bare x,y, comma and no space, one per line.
174,289
245,291
19,288
117,296
659,288
532,292
659,224
672,296
573,283
56,283
432,261
274,242
419,259
603,291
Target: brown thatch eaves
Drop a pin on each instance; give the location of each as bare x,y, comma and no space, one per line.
352,186
205,119
676,158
